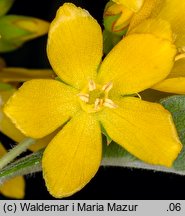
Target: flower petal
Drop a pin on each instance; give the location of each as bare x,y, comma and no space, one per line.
41,106
178,69
173,12
134,5
14,188
150,7
75,45
73,157
175,82
43,142
137,62
144,129
158,27
2,150
172,85
8,128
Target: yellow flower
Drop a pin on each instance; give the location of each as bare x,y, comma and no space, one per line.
15,187
95,95
173,12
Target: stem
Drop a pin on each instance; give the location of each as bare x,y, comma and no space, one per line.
124,162
23,166
16,151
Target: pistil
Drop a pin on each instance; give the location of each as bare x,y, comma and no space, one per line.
95,97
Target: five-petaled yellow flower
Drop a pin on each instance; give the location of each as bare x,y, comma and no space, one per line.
139,13
14,187
95,95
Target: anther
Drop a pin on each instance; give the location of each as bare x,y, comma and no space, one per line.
107,87
92,85
84,97
109,103
181,50
180,56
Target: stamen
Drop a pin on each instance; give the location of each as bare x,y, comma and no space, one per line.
181,50
97,104
94,98
180,56
109,103
84,97
139,96
107,87
92,85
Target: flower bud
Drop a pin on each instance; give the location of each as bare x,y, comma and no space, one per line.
117,18
6,46
15,30
22,28
5,5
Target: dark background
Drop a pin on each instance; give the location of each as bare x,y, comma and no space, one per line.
109,182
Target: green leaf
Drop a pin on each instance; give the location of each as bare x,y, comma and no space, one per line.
116,151
112,149
176,106
23,166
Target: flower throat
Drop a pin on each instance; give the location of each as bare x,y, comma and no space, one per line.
94,97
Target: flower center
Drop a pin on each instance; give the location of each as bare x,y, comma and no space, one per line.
94,97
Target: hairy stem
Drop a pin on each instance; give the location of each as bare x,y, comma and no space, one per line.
16,151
